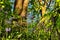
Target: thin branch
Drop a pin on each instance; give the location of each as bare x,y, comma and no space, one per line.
49,4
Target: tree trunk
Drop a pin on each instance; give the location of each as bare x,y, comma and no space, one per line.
41,23
20,8
43,10
43,7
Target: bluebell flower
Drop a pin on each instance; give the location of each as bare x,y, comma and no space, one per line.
8,29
